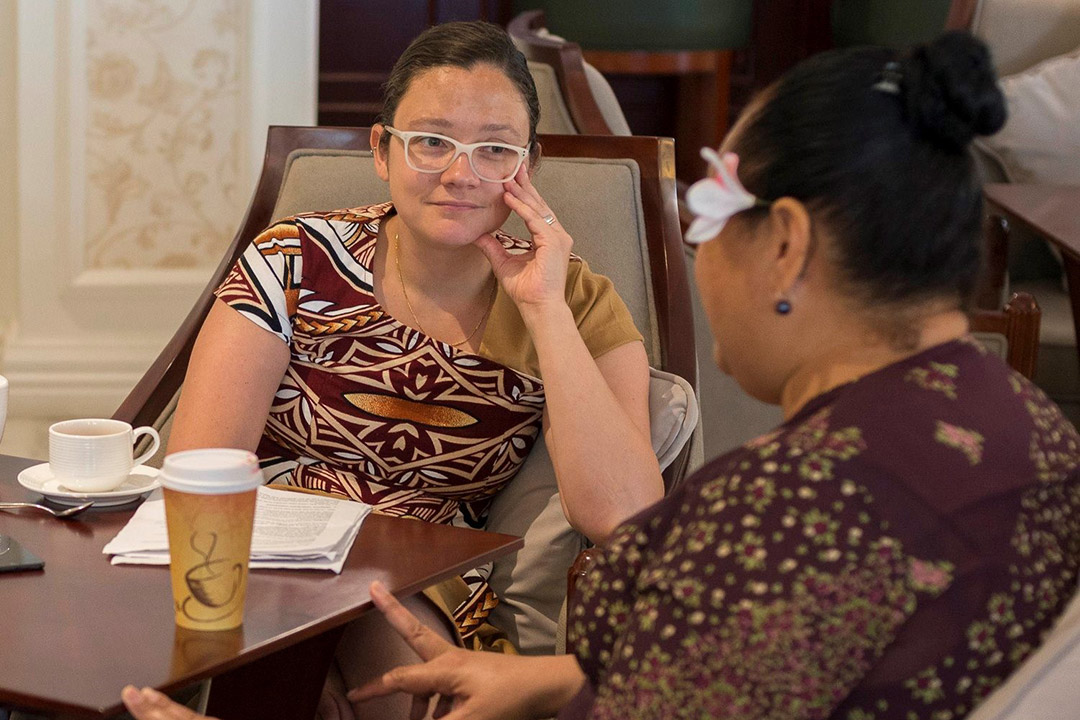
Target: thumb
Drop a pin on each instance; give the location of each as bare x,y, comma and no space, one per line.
493,250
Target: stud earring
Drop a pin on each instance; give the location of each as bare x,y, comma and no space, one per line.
783,307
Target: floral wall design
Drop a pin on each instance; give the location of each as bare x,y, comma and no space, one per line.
166,119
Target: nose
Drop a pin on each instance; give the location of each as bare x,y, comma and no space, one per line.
460,171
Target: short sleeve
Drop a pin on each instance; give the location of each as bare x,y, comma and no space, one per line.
264,284
602,317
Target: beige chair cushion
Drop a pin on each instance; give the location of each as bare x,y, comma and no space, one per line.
554,115
1022,33
1046,686
1041,140
606,101
673,415
317,180
532,583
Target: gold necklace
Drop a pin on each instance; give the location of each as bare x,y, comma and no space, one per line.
405,294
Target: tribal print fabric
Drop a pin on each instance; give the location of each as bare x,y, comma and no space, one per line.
369,408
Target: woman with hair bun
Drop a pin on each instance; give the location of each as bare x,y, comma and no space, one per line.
899,545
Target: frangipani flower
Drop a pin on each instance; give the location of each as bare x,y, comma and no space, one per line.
715,199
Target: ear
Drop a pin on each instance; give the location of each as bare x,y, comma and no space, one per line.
792,245
382,169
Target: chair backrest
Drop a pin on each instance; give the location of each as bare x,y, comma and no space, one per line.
1012,333
575,97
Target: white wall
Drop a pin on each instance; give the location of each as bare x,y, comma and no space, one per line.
136,130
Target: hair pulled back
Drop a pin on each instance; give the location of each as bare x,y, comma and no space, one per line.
876,145
463,45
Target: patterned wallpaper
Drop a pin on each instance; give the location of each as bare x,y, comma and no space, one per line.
164,136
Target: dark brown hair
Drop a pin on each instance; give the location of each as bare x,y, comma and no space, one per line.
463,45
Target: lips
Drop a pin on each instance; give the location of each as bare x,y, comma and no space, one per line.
451,205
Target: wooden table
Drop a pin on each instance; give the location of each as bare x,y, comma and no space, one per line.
1050,211
72,635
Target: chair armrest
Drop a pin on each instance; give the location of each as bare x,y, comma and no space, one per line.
583,563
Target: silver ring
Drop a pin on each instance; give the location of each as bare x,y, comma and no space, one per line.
549,219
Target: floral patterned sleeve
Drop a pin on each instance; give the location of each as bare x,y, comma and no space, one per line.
711,605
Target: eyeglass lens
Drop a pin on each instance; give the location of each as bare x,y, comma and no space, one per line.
494,163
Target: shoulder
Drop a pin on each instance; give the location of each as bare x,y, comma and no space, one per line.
361,215
322,225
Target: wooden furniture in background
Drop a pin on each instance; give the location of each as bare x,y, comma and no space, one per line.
689,42
359,40
76,632
1049,211
1018,322
568,63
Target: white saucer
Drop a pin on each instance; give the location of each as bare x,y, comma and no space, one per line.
39,479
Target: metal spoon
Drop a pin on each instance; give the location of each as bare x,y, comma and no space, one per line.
65,513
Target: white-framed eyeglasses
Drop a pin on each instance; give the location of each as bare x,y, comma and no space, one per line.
433,153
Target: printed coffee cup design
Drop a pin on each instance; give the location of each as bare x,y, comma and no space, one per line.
214,583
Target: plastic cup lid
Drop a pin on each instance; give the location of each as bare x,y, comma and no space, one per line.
211,471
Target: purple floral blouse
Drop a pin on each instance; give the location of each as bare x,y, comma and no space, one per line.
893,551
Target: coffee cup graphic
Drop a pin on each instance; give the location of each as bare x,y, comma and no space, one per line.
214,583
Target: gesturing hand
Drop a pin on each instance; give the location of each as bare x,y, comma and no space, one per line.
149,704
536,278
469,684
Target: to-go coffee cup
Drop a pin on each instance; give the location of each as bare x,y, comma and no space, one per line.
210,510
95,454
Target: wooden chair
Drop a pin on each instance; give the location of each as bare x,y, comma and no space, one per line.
574,96
615,195
1012,332
692,42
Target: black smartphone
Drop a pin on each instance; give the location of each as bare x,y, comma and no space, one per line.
14,556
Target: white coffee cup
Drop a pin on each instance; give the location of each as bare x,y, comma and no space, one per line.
95,454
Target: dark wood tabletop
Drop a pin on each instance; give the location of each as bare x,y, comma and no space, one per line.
73,634
1052,211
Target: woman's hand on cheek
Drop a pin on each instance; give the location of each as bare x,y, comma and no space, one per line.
536,278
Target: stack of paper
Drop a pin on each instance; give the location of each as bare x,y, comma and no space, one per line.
292,530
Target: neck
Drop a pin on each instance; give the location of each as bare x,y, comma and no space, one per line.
865,353
435,270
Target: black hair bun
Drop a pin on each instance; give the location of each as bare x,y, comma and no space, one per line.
950,90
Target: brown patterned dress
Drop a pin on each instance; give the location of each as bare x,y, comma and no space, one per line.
893,551
372,409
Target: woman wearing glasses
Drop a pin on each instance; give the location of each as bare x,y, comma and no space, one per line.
393,353
903,541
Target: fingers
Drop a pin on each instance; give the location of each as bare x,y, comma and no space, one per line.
534,221
520,188
420,638
149,704
423,680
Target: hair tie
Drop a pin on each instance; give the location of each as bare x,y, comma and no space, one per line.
889,79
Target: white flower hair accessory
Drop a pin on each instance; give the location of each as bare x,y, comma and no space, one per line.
715,199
